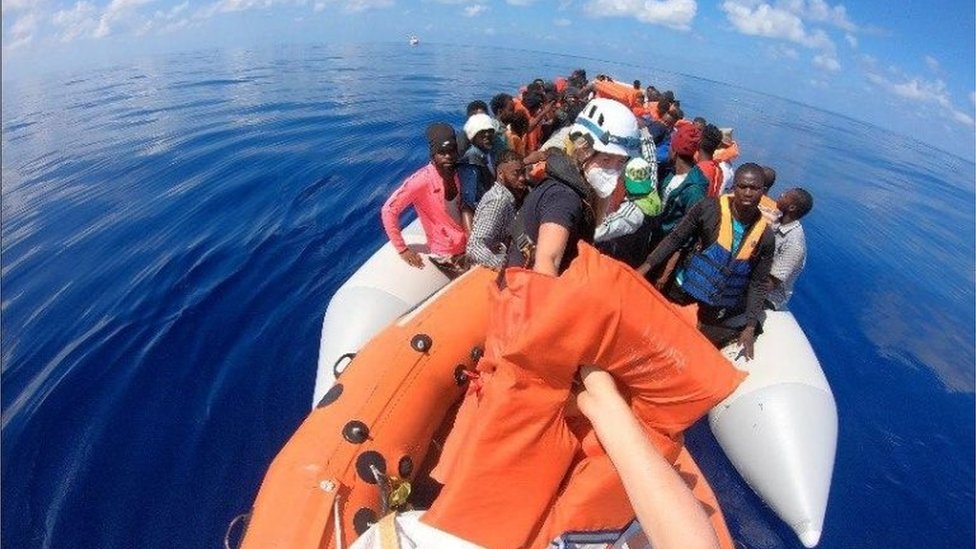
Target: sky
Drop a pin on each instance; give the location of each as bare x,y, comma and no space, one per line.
907,65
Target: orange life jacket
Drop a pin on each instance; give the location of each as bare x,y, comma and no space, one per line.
511,441
729,153
618,91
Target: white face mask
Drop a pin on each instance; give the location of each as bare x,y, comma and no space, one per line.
603,180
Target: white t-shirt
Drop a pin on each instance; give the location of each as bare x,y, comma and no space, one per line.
674,183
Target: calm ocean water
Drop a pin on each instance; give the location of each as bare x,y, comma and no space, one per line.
173,229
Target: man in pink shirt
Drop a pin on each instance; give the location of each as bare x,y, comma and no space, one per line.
434,192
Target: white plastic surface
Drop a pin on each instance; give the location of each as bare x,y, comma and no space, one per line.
779,428
375,295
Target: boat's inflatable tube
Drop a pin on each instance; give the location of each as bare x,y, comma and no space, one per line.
379,417
779,428
381,290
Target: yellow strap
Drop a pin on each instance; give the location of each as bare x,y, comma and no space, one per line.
749,242
725,224
387,530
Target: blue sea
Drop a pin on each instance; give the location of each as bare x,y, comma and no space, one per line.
174,227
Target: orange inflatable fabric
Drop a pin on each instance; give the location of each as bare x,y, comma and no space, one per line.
382,411
514,456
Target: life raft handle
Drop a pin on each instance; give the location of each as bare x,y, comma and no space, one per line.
335,367
242,518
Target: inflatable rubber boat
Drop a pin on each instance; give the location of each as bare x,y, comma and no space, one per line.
395,338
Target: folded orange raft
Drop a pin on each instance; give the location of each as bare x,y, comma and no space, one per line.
519,473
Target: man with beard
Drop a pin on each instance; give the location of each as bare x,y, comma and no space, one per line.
434,192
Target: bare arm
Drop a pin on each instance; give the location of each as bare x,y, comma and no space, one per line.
550,248
667,510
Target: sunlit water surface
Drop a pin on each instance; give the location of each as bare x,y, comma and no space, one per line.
174,228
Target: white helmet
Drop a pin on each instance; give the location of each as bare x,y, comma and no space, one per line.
611,125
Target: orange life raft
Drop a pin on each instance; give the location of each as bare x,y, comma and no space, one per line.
385,418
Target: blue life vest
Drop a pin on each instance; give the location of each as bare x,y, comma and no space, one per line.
718,275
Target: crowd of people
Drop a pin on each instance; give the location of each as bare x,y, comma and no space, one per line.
619,166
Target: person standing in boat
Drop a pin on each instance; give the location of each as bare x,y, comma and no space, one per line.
791,246
476,167
568,204
496,212
435,193
728,278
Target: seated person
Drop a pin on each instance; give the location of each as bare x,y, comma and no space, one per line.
496,211
434,192
791,247
686,185
476,167
728,278
624,233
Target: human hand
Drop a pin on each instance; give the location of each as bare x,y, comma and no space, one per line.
746,339
412,258
599,392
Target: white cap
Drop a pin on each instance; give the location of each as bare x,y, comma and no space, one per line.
477,122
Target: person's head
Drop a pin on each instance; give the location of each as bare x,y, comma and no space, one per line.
669,95
701,123
533,101
640,98
653,94
663,106
519,124
637,84
480,131
677,112
604,136
477,106
577,79
769,177
727,139
508,167
443,147
503,106
669,119
637,177
747,188
794,204
711,138
685,143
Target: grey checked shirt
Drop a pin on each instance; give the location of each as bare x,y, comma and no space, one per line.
788,261
491,227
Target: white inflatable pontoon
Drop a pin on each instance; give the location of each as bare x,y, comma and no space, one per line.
779,428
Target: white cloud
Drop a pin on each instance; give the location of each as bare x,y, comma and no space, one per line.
490,31
851,39
475,10
826,62
676,14
933,64
116,10
920,90
785,23
18,5
520,2
779,51
972,97
565,4
319,6
21,33
562,22
821,12
79,21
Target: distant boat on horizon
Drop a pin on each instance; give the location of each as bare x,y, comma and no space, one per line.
414,40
